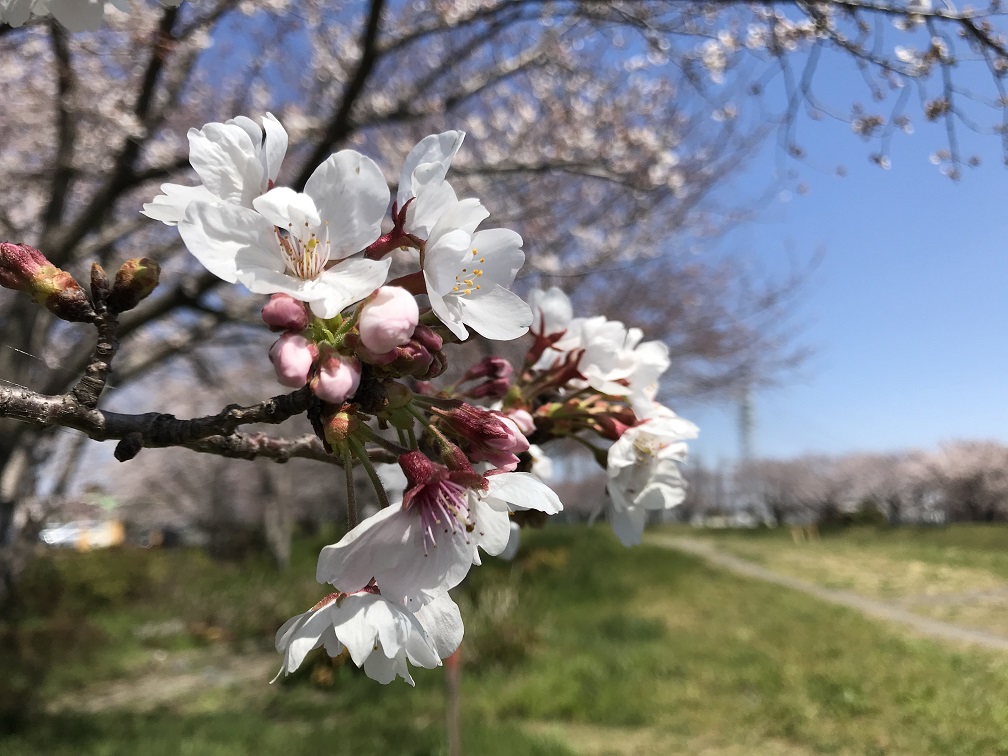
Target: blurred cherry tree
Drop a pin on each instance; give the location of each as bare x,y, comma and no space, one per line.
603,132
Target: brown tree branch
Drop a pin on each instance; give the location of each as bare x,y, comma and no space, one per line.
150,429
339,124
123,174
63,173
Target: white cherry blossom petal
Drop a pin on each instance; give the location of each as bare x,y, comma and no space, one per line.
389,547
498,254
628,525
442,622
170,207
496,314
348,282
551,310
436,150
274,146
225,159
521,490
351,194
492,528
425,211
285,208
300,635
228,239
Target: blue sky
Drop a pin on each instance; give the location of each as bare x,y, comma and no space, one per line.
907,312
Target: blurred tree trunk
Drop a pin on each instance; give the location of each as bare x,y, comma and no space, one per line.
276,516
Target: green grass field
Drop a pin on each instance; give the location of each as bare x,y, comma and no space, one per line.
579,646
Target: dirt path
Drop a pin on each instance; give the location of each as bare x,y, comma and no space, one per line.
871,607
183,676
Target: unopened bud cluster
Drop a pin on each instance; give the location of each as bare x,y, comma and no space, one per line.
381,338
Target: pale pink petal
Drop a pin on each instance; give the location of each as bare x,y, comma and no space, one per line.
389,547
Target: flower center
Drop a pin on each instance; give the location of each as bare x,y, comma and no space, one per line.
465,281
306,254
444,505
646,449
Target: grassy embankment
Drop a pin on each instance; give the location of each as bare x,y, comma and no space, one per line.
957,573
579,646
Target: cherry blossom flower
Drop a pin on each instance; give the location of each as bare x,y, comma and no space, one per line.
419,550
469,274
290,241
644,473
602,361
614,360
379,636
235,162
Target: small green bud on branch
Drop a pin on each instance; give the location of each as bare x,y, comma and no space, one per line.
135,281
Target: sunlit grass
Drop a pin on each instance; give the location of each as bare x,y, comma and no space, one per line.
958,573
579,646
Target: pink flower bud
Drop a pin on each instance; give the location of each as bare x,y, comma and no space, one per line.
495,368
388,320
25,269
292,356
284,313
428,339
514,441
523,420
486,436
337,379
19,264
495,389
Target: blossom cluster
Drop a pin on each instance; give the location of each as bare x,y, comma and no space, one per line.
596,380
367,347
362,352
